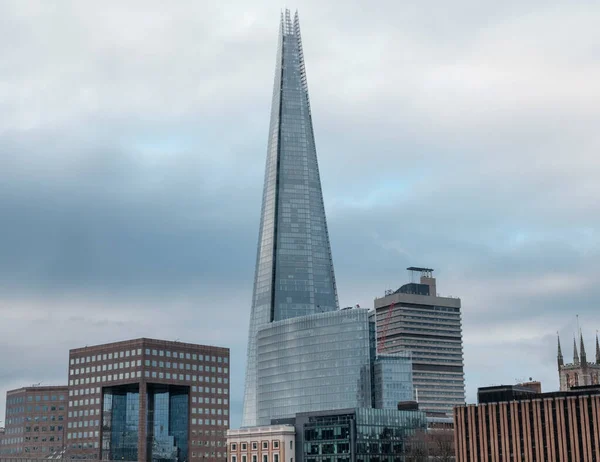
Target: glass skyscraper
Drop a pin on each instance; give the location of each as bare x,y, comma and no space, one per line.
314,363
294,270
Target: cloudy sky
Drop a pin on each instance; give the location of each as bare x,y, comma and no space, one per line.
133,134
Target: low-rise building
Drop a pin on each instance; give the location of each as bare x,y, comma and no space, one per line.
34,422
515,423
269,443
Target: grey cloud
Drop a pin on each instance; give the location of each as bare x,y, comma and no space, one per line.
132,148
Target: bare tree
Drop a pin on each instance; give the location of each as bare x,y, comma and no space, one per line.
441,445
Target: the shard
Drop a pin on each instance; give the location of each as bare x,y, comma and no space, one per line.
294,270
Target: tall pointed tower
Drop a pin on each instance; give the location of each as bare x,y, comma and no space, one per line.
294,270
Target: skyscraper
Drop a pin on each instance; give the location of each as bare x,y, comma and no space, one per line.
417,319
294,270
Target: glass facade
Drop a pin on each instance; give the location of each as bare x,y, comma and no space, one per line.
311,363
167,423
120,422
360,435
294,270
392,380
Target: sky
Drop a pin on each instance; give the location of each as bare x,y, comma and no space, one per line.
461,136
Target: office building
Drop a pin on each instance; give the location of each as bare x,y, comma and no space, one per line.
270,443
357,435
514,423
35,422
580,372
391,380
294,270
326,361
415,318
148,400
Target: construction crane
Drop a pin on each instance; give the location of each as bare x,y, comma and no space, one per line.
381,347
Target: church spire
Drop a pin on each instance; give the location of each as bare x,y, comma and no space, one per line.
559,356
582,349
575,354
597,349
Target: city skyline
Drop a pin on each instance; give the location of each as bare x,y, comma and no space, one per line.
132,159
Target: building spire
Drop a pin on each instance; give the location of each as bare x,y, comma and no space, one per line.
559,356
582,349
575,354
597,349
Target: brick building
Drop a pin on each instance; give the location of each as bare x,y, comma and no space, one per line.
34,422
148,399
517,424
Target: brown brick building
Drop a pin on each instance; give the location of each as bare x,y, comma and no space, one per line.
143,399
35,422
516,424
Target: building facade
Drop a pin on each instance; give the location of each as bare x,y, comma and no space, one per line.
392,380
294,269
270,443
517,424
580,372
313,363
356,435
326,361
414,318
35,422
148,400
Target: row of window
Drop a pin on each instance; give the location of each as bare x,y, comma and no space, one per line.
148,363
153,352
210,422
148,374
254,444
81,424
265,458
38,428
199,410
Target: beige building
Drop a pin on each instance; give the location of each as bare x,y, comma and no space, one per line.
273,443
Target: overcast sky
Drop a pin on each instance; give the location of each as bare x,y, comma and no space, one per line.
463,136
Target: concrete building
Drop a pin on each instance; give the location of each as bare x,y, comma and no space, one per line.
270,443
517,424
35,422
144,399
415,318
580,372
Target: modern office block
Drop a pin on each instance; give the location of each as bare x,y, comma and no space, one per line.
357,435
415,318
294,270
313,363
392,381
148,400
35,422
517,424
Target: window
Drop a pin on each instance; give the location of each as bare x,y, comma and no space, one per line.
275,457
233,446
291,444
233,458
265,445
275,444
265,458
244,458
254,458
254,445
244,447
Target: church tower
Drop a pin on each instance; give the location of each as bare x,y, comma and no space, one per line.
580,372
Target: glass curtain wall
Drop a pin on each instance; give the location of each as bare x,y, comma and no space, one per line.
167,423
120,423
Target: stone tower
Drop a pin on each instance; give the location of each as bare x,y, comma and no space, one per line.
580,372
